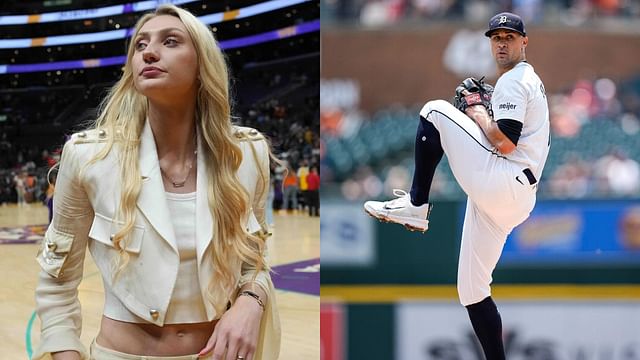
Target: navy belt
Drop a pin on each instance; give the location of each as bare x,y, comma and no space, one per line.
532,179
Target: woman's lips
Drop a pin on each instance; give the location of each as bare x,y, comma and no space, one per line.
151,71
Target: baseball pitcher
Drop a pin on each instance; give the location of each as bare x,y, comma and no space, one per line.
497,141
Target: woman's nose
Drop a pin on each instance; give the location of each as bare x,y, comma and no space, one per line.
149,55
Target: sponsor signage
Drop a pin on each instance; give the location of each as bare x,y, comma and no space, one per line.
346,236
571,330
576,232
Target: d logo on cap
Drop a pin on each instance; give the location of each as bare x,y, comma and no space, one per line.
506,20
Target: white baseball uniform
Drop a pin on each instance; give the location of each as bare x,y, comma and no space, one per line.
500,194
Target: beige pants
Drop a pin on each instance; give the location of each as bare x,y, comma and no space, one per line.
98,352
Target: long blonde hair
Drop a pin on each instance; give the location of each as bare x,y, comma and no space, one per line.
123,114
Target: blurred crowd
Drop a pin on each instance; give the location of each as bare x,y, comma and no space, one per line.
611,175
23,156
27,185
23,172
595,100
615,111
288,116
385,12
296,188
37,108
291,123
594,149
293,131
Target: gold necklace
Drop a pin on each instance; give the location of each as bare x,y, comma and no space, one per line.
179,184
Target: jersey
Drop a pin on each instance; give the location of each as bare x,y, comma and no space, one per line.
519,95
303,171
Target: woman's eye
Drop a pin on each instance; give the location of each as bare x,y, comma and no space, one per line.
171,41
140,46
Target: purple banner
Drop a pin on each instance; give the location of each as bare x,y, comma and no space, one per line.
272,35
66,65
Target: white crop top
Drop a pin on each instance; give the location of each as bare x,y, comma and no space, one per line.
186,304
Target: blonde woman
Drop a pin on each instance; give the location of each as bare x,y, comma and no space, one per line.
169,198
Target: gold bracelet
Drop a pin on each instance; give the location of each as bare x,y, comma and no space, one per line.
253,295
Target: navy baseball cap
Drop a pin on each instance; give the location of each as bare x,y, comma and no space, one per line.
508,21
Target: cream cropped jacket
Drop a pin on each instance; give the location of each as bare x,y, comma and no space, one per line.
85,204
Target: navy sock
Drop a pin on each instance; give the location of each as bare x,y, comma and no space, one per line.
487,325
428,153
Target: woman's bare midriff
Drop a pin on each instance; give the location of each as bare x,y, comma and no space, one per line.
152,340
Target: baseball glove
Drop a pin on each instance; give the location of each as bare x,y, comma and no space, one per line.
478,93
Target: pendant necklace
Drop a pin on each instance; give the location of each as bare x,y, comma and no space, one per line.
179,184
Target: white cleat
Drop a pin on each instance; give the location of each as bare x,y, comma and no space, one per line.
400,211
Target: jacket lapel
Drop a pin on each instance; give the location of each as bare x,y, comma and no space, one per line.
152,202
204,218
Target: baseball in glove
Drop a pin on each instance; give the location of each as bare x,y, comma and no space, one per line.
477,93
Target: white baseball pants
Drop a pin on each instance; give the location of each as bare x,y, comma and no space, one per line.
500,197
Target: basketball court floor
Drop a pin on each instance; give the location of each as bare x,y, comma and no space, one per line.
295,256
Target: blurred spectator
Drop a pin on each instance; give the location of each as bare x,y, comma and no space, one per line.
278,171
364,184
269,205
290,191
302,173
49,195
30,188
47,160
571,179
398,177
430,8
381,12
529,10
622,173
313,183
19,183
6,188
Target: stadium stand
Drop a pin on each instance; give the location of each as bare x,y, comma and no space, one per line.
615,119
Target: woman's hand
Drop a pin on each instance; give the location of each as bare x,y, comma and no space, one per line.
236,334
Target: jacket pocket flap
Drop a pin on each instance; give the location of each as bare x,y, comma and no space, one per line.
103,229
54,251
